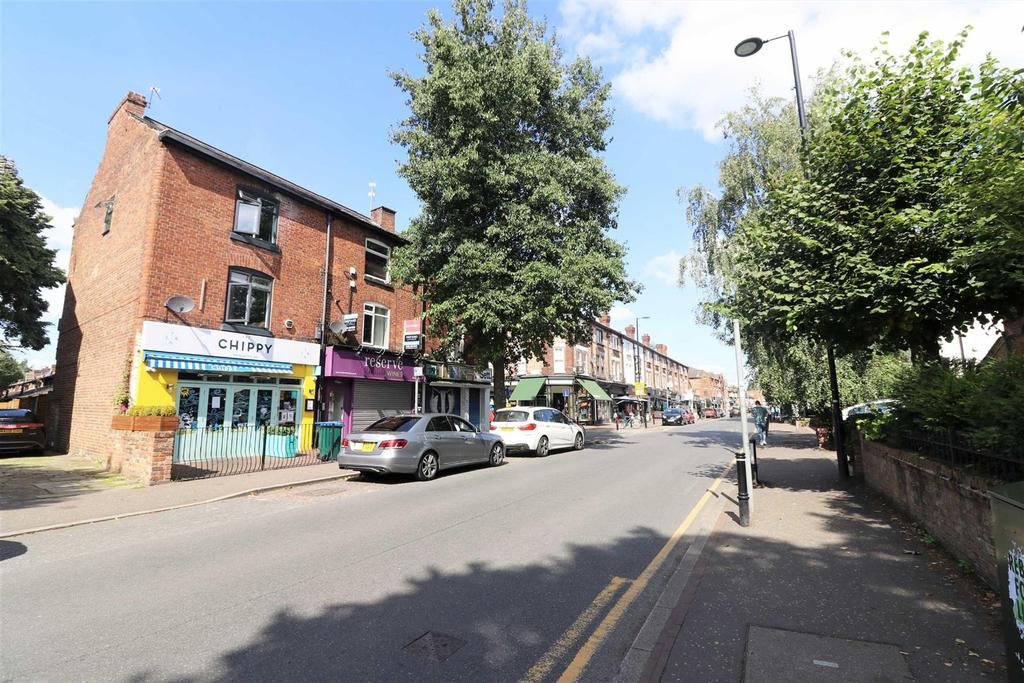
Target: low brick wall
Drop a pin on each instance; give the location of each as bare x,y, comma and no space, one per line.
952,506
144,457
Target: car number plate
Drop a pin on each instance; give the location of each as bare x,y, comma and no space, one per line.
11,431
368,446
508,429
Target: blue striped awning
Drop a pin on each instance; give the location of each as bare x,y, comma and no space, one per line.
187,361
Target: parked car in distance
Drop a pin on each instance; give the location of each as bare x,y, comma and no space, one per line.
883,405
536,429
711,412
21,431
674,416
418,444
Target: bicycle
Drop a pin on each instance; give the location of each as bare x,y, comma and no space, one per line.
632,421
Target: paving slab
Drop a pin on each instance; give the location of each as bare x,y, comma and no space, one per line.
775,654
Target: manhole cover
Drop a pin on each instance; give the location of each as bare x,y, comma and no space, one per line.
777,655
436,647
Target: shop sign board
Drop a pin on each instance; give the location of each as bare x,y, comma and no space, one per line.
413,327
348,322
202,341
411,343
639,389
369,365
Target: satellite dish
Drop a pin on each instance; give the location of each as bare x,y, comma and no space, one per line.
180,304
337,327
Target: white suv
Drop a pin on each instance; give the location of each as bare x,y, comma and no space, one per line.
536,429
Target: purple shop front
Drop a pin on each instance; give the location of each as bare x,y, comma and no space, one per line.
361,388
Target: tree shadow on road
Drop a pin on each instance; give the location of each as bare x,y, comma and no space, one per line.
28,482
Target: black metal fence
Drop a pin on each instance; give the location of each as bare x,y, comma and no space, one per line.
956,450
221,451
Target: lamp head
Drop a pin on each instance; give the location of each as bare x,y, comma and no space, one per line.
747,47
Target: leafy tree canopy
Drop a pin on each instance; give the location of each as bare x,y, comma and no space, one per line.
11,369
512,244
910,221
26,264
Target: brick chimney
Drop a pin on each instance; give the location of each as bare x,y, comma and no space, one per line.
132,103
384,217
630,331
661,348
605,319
646,339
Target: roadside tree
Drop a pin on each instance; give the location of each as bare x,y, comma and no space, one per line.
26,264
907,225
504,142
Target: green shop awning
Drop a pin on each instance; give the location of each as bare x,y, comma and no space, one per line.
527,388
594,389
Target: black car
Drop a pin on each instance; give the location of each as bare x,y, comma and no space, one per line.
673,416
20,431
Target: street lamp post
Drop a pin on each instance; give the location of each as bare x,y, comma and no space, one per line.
747,48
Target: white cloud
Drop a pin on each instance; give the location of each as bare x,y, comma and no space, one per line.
674,61
664,267
58,236
621,316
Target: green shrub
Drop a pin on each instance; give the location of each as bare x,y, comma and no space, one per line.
281,431
984,403
152,411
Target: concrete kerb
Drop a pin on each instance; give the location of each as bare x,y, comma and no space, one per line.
645,645
236,494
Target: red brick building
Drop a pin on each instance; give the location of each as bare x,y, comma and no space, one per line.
169,216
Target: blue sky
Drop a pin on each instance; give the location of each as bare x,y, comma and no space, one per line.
302,90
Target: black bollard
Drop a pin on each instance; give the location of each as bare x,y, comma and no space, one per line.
744,494
753,460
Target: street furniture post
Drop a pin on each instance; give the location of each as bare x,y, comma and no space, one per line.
744,488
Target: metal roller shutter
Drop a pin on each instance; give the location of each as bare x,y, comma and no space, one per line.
374,400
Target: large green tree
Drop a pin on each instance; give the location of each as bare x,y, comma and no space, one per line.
504,139
26,263
909,223
11,369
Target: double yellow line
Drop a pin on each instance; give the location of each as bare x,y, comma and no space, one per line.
564,644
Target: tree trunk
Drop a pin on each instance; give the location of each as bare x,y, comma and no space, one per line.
498,387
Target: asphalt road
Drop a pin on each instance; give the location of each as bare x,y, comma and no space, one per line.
340,580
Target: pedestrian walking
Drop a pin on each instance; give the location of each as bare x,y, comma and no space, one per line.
760,414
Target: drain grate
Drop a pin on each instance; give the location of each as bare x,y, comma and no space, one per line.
436,647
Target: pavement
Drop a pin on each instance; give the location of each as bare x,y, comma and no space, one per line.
827,584
39,493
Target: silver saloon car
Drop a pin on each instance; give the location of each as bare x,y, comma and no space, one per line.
419,444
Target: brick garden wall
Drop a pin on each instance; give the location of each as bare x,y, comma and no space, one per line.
952,506
144,457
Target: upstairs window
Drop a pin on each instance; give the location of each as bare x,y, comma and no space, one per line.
378,261
256,216
248,298
375,325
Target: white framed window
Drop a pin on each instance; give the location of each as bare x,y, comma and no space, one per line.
559,357
376,319
248,300
256,215
378,261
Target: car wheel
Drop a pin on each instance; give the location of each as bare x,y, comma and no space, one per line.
579,441
497,455
542,447
427,469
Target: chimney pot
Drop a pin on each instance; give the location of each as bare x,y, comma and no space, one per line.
605,318
631,331
646,339
132,103
384,217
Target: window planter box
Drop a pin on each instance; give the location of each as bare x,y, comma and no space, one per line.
144,423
